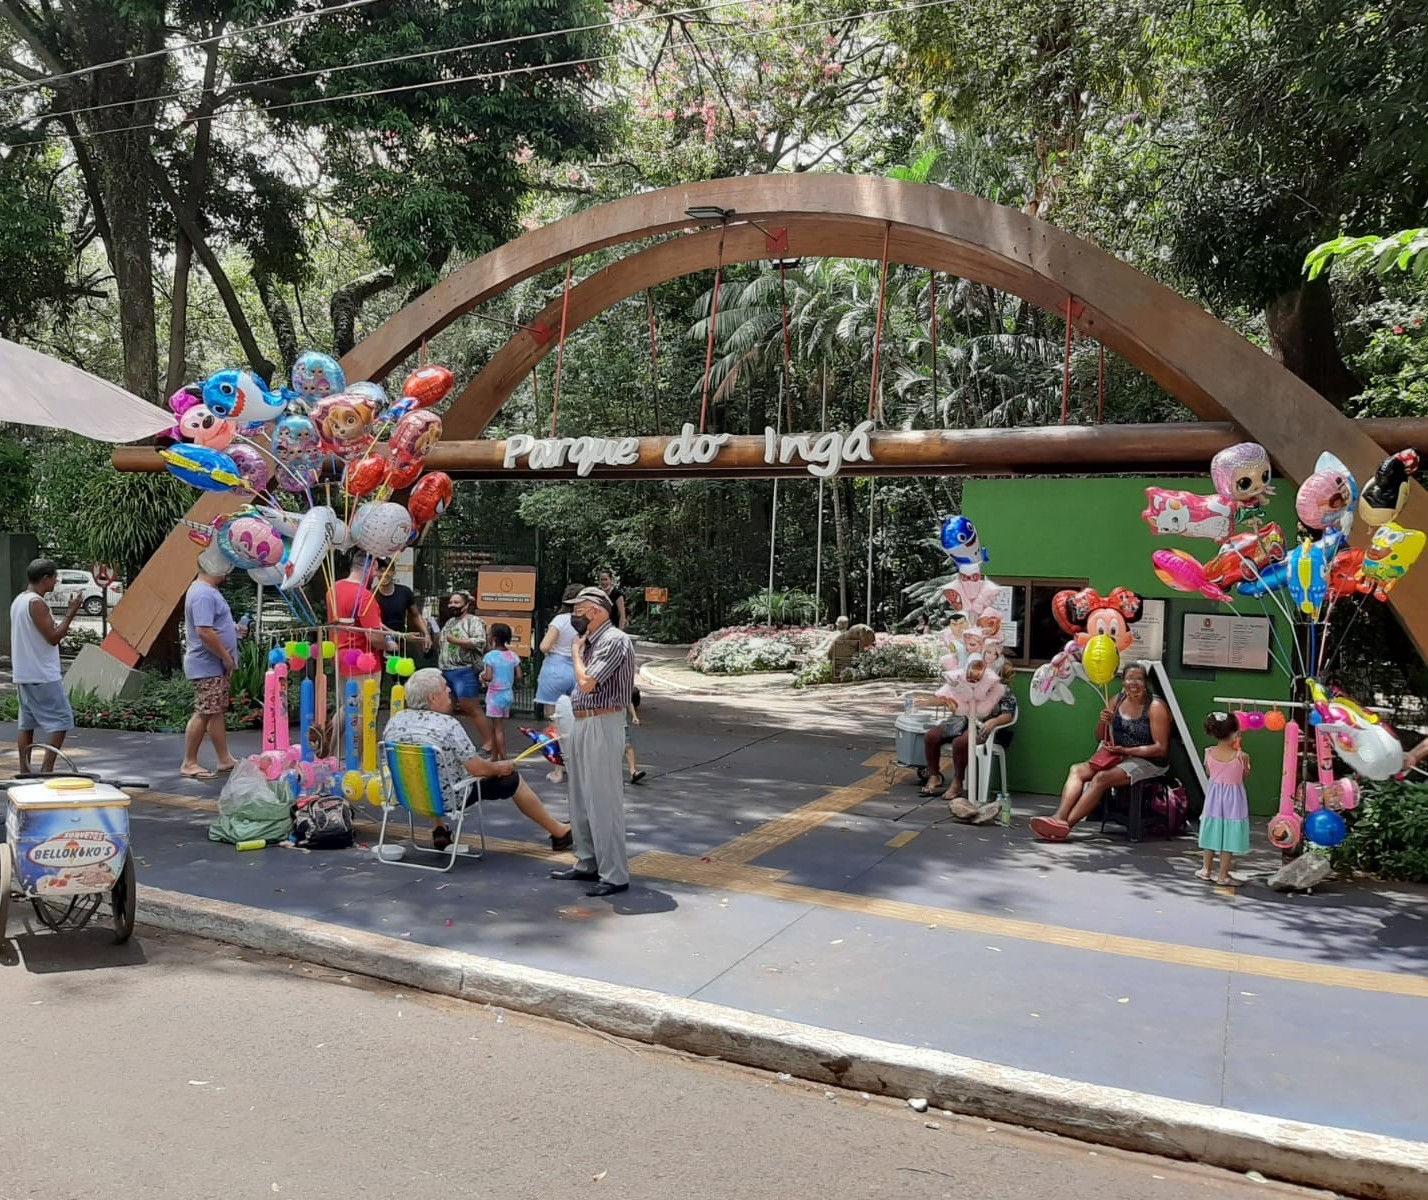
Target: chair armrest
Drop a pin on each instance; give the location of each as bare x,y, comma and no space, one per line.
465,785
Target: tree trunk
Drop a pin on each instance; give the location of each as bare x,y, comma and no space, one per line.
122,168
347,303
1304,337
280,317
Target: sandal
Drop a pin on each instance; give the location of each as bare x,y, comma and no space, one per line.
441,838
1050,829
930,790
637,777
1203,874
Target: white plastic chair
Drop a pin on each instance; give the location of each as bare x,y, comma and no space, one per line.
986,753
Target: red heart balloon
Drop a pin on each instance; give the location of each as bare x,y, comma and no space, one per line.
430,497
429,385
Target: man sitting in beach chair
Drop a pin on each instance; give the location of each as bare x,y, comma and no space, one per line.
427,721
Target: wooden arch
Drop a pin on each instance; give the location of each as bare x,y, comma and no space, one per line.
1202,362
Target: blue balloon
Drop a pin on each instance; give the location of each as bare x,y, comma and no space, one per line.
317,375
201,467
1326,828
958,533
276,657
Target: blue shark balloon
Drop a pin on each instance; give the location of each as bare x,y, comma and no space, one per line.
959,539
242,397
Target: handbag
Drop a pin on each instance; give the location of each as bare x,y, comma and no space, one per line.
1104,760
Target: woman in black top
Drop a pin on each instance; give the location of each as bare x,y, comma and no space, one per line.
611,587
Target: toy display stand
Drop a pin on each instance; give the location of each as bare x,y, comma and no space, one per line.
67,849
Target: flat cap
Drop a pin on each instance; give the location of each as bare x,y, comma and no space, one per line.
593,595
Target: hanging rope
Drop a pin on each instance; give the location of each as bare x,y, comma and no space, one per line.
1101,390
878,333
560,352
713,329
654,360
1066,370
932,278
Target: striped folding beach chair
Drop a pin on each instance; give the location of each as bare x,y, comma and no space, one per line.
411,780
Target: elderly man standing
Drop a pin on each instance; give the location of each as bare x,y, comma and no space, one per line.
427,721
209,662
604,680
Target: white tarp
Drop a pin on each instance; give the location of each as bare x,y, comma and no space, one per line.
36,389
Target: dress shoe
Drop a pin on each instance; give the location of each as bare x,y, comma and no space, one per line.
608,889
575,873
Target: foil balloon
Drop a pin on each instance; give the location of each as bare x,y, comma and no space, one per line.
208,470
200,426
248,541
364,475
1180,571
1052,681
267,576
1386,493
344,425
296,437
430,497
1324,499
284,523
1346,576
316,533
255,467
317,376
1245,555
1372,751
368,390
428,385
1308,576
242,397
1241,474
1187,514
381,528
1391,552
1331,464
414,436
1100,659
959,539
404,474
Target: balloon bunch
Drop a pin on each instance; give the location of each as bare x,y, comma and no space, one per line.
240,435
1099,628
972,666
972,592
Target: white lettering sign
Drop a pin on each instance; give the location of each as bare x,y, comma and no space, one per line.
823,454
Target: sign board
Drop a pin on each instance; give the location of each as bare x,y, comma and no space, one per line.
509,588
1148,634
520,624
656,595
1225,642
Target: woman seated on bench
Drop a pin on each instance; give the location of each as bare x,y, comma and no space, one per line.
427,721
1135,740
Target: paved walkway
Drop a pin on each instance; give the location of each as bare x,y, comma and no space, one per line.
779,868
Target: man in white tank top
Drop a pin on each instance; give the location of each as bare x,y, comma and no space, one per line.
34,651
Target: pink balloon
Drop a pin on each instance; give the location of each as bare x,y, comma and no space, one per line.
255,467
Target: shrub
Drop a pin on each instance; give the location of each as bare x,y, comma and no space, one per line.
75,638
1388,833
741,649
899,656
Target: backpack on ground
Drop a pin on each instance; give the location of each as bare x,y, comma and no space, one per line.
323,823
1168,808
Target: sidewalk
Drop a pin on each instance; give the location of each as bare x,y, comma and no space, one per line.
778,871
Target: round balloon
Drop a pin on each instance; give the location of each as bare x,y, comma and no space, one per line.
316,375
267,576
344,424
364,475
382,528
1100,659
429,385
299,474
403,474
1324,827
368,390
248,542
430,497
295,437
415,435
255,467
1323,499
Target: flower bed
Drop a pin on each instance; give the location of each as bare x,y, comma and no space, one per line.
893,656
741,649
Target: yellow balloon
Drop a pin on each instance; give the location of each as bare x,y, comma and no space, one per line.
374,791
1101,659
354,784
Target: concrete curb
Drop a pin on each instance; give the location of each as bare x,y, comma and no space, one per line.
1346,1161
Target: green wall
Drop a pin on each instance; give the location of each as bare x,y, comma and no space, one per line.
1091,529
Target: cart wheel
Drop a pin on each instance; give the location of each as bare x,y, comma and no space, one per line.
122,899
921,774
4,888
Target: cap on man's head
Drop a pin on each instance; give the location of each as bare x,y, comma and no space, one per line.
593,595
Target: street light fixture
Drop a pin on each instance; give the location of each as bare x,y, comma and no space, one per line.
708,212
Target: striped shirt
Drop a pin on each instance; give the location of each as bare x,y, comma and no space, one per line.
610,660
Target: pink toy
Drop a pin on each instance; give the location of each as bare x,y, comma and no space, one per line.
1187,514
203,428
1178,570
1251,720
1328,792
1241,474
1285,827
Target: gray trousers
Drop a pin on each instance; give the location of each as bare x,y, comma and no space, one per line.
597,796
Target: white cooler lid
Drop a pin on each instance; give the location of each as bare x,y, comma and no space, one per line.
65,790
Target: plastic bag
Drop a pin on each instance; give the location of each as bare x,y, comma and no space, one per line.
251,809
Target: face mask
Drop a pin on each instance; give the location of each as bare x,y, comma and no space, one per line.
580,624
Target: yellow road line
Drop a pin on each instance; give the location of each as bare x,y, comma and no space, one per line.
901,840
734,875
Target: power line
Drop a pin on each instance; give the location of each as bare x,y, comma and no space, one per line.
167,50
197,89
484,76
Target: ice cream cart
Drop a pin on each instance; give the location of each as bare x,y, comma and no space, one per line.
67,849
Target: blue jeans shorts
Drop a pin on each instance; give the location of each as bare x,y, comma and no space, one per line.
464,683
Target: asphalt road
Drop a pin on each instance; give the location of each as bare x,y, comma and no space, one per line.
182,1069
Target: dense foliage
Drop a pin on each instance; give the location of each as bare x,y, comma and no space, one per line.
1388,833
